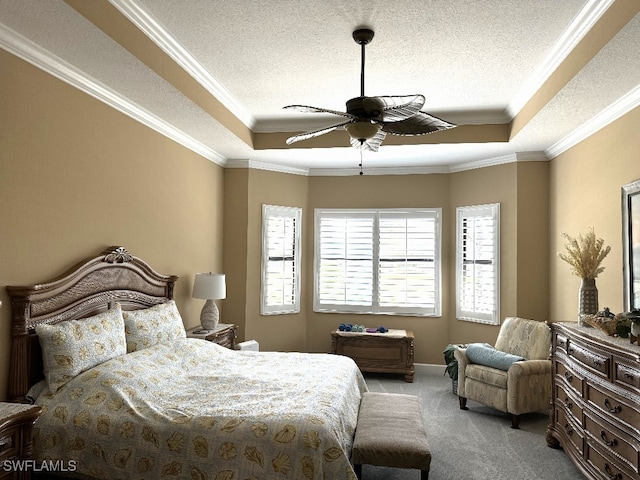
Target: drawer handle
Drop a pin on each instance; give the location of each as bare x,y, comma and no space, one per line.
568,376
6,442
570,350
608,443
597,362
627,375
568,429
568,403
617,476
611,409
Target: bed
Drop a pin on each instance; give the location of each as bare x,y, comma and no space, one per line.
126,395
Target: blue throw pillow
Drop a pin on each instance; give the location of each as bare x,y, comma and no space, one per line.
485,354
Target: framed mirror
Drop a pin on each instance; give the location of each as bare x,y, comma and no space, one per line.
631,244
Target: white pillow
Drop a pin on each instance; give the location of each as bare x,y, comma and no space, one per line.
71,347
160,323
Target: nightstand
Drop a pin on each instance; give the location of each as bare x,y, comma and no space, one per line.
16,441
224,334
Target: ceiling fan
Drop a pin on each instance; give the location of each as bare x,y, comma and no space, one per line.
369,119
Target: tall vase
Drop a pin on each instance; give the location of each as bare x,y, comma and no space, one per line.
587,299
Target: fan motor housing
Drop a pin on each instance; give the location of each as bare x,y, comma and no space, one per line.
365,107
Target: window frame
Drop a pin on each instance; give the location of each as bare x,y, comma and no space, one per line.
375,308
491,210
269,212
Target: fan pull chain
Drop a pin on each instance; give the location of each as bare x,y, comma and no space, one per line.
361,149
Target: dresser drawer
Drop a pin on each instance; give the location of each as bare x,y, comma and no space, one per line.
614,406
606,467
570,431
575,380
594,360
610,438
626,373
570,403
561,342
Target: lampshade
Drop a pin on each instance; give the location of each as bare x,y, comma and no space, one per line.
209,286
362,129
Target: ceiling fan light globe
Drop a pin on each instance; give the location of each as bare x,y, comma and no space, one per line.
362,130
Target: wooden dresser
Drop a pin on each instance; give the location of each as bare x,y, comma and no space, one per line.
595,414
386,353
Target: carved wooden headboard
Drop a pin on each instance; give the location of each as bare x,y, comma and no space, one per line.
88,288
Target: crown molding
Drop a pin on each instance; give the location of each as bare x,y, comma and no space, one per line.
572,35
348,172
617,109
260,165
32,53
501,160
148,25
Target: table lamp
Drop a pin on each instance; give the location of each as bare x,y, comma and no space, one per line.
210,287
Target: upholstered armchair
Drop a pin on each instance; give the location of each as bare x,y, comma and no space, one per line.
515,377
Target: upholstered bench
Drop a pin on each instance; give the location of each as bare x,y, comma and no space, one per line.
390,433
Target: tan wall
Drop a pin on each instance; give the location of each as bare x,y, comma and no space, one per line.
585,184
523,294
376,191
273,332
77,176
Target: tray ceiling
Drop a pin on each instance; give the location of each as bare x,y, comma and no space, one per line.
523,80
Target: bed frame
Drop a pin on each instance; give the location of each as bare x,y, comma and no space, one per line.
88,288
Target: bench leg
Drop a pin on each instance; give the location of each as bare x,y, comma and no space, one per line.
424,474
358,469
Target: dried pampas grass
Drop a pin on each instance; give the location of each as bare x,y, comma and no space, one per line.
585,254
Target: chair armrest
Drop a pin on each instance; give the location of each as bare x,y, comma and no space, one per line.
529,386
461,356
530,367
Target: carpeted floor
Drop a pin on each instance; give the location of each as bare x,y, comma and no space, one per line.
476,444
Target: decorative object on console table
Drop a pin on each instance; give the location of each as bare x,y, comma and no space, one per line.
595,414
16,442
223,334
585,254
210,287
389,352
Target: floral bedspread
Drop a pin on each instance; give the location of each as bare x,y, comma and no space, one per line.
192,409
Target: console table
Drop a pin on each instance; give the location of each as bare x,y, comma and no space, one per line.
595,414
390,352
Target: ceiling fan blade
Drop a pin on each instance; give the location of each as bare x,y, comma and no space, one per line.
419,124
372,144
398,108
314,133
309,109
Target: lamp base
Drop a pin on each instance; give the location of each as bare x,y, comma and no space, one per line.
210,315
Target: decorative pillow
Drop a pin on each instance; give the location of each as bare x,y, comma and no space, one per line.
71,347
485,354
160,323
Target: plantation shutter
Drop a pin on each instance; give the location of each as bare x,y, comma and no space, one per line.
377,261
345,254
407,272
477,263
280,260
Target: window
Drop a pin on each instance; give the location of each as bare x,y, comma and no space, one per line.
280,260
478,263
377,261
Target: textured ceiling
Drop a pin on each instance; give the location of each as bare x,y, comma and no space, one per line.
523,80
